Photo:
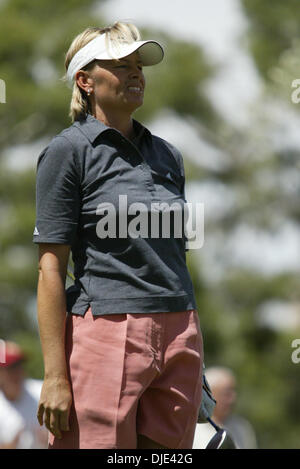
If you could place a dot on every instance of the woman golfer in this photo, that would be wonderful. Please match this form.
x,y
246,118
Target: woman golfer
x,y
122,346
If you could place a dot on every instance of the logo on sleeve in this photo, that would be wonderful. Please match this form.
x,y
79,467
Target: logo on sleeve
x,y
36,231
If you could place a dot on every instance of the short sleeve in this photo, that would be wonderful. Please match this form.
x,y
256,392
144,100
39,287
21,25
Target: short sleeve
x,y
57,194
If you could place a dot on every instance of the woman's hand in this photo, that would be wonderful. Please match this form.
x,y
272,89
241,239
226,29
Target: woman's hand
x,y
54,406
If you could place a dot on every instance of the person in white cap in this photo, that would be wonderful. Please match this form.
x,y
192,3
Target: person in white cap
x,y
123,369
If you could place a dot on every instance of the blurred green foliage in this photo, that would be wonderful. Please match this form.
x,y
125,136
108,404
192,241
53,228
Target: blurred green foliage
x,y
34,37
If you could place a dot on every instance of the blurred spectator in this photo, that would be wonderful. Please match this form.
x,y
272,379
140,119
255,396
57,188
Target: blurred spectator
x,y
223,386
19,428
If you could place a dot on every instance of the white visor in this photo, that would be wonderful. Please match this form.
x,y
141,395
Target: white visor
x,y
151,53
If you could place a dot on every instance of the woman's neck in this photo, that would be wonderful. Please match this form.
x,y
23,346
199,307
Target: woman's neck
x,y
122,123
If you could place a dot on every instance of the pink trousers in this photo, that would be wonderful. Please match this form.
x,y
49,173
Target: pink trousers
x,y
133,374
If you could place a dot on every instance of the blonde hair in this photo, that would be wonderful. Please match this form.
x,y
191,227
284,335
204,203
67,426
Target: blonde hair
x,y
116,34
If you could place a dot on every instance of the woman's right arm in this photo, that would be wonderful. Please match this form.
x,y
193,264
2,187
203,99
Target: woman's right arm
x,y
56,397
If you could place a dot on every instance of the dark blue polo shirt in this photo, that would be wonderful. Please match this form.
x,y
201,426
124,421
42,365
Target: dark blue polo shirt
x,y
82,176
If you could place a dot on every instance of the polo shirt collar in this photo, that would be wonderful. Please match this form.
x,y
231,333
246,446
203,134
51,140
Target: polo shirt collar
x,y
92,128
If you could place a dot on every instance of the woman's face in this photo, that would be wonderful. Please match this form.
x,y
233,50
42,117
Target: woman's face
x,y
118,85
